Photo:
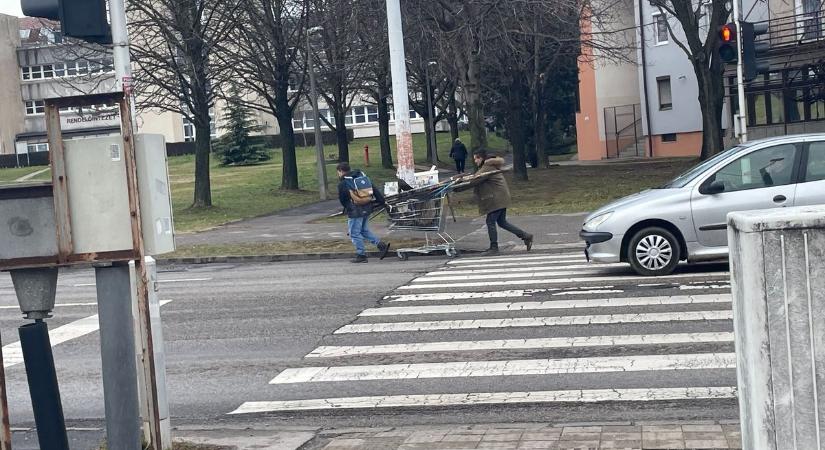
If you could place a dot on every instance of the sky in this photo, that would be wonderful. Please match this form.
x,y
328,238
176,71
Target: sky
x,y
11,7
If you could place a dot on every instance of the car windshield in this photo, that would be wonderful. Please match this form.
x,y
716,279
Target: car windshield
x,y
685,178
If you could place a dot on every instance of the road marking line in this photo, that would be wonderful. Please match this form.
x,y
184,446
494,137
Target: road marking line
x,y
503,276
516,367
517,322
450,271
523,264
184,280
553,281
64,305
515,258
332,351
553,304
13,353
462,295
491,398
592,291
703,287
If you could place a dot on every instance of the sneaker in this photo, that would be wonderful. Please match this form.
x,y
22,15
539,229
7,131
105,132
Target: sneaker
x,y
384,248
359,259
492,251
528,241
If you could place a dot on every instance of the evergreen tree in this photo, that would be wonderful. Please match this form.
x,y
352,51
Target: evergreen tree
x,y
236,146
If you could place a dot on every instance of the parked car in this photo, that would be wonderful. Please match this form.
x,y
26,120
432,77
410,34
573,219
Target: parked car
x,y
686,219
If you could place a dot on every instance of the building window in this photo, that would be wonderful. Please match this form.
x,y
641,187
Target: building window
x,y
35,107
189,134
660,33
372,114
665,97
413,114
35,148
669,137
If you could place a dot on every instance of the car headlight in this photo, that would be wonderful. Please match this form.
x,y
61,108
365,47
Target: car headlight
x,y
594,223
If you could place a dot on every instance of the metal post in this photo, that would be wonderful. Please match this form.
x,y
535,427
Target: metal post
x,y
400,99
431,113
123,73
742,117
319,140
45,393
5,426
117,345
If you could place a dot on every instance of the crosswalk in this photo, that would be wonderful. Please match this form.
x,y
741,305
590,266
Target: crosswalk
x,y
543,328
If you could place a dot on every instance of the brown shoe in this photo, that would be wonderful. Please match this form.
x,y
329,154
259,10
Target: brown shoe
x,y
528,241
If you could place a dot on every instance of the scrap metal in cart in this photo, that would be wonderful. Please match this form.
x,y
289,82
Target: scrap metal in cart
x,y
423,210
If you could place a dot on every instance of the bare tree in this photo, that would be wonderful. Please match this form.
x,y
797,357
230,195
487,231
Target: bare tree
x,y
699,45
266,58
341,62
172,48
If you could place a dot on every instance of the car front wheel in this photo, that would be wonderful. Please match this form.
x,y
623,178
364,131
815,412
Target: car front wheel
x,y
653,251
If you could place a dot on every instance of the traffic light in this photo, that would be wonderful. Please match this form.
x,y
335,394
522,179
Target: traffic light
x,y
81,19
753,51
726,48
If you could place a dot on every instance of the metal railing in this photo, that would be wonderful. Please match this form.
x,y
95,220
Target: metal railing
x,y
623,131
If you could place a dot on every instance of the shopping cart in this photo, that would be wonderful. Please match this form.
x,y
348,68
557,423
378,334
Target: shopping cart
x,y
423,210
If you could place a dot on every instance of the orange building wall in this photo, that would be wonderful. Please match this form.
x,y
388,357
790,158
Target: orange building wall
x,y
687,144
590,145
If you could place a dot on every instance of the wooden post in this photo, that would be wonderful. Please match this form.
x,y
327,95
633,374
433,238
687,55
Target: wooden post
x,y
5,426
60,184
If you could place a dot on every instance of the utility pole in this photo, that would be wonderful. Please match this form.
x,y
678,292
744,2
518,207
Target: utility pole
x,y
319,138
401,103
742,116
152,392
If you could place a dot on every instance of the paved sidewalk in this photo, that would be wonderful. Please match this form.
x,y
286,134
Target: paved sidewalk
x,y
702,435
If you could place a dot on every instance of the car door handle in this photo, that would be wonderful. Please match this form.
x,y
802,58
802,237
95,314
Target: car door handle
x,y
780,199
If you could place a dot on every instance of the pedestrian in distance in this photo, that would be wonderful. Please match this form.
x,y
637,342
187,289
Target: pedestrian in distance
x,y
359,200
493,199
459,153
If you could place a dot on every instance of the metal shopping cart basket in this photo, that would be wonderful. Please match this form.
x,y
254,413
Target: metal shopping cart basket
x,y
423,210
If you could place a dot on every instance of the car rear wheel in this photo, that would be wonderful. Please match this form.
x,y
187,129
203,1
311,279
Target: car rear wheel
x,y
653,251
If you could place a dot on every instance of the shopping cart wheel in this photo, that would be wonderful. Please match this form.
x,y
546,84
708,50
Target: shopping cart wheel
x,y
452,252
403,256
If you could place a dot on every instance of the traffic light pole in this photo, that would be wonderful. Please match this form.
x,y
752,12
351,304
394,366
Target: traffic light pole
x,y
153,394
742,117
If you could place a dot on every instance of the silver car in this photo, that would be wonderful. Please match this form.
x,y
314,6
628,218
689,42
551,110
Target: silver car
x,y
685,220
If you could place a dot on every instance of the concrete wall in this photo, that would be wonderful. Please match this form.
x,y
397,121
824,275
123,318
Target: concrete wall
x,y
11,112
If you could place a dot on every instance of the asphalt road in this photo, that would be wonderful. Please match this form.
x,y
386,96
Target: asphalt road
x,y
238,337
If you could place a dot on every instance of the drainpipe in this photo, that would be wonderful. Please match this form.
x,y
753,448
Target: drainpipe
x,y
644,76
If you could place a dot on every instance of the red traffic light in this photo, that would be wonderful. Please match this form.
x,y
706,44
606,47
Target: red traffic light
x,y
727,32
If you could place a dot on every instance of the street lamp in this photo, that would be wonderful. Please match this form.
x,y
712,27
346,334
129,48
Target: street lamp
x,y
431,111
319,140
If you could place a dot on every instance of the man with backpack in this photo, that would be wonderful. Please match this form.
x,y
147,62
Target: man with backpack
x,y
357,196
459,153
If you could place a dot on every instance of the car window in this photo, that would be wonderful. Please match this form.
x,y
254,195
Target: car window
x,y
772,166
685,178
815,170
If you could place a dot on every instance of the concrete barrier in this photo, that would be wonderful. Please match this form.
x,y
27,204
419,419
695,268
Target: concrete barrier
x,y
778,283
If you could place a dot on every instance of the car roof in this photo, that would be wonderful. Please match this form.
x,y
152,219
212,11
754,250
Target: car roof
x,y
787,138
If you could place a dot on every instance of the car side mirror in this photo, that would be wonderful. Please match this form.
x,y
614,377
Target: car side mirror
x,y
715,187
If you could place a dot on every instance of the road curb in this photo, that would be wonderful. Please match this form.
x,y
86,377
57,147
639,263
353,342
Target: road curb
x,y
228,259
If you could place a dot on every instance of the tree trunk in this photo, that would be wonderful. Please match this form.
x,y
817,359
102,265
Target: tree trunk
x,y
475,107
428,138
452,118
341,135
384,128
203,147
515,128
540,137
289,175
711,87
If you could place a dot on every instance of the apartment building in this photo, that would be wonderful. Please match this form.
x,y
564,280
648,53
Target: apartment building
x,y
648,107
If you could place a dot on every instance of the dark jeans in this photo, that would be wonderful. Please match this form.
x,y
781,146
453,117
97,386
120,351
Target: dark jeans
x,y
500,217
459,165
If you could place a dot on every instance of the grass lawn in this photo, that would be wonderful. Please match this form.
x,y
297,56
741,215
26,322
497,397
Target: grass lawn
x,y
245,192
10,175
569,189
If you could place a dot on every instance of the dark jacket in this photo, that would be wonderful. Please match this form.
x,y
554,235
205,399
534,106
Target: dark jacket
x,y
493,193
458,151
350,209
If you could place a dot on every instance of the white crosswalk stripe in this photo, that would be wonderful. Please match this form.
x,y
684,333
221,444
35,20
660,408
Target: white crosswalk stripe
x,y
489,319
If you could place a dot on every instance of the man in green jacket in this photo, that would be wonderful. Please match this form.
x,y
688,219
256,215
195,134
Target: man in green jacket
x,y
493,199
